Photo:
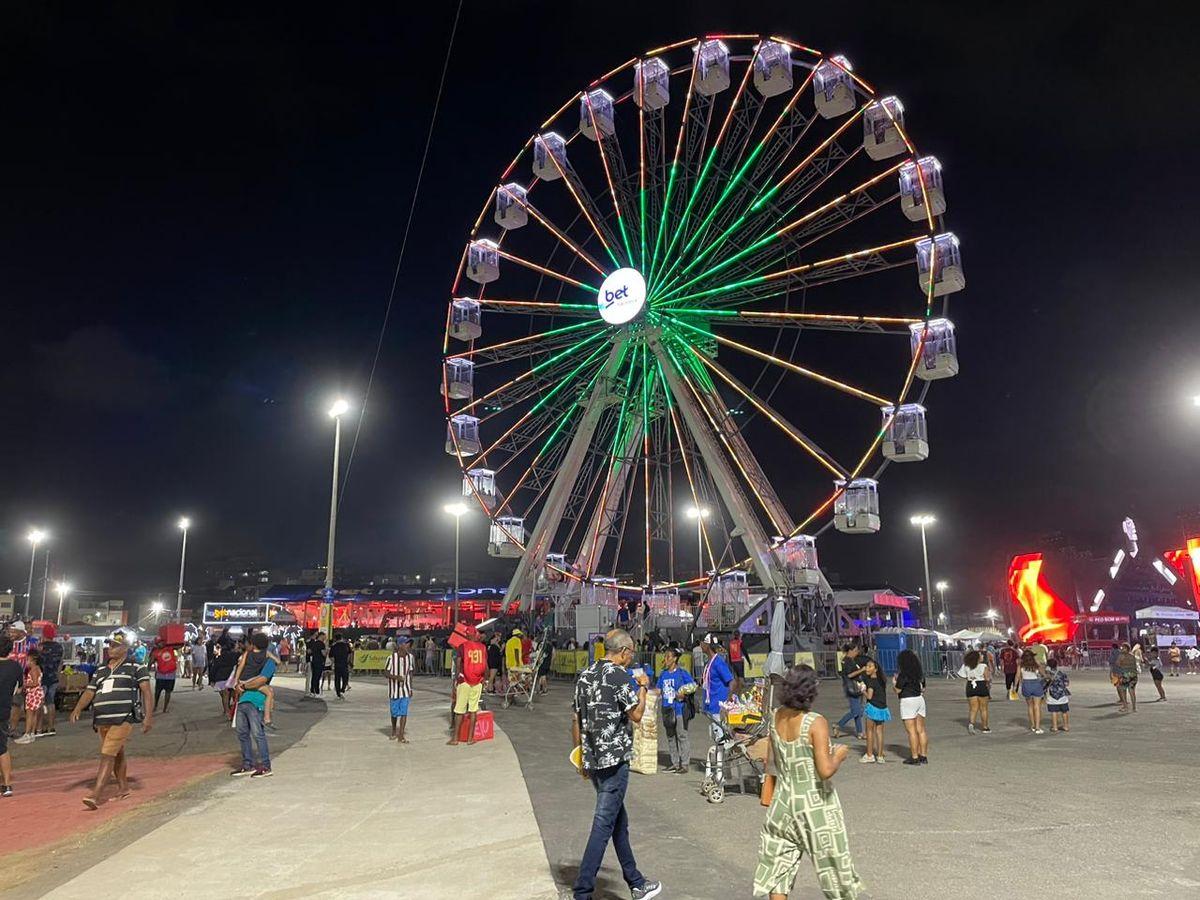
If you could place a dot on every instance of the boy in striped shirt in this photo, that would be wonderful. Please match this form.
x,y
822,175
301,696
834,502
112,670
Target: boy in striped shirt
x,y
399,676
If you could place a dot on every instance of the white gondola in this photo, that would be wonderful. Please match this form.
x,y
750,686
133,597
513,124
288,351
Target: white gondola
x,y
458,378
946,264
549,156
556,568
833,87
462,435
712,68
511,211
465,320
882,122
856,509
506,537
773,68
905,433
600,592
596,115
481,482
651,83
925,173
799,555
939,353
483,261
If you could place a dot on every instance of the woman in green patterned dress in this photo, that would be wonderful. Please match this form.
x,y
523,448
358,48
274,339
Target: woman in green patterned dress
x,y
805,814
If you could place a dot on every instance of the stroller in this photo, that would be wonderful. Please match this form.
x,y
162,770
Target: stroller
x,y
521,683
731,749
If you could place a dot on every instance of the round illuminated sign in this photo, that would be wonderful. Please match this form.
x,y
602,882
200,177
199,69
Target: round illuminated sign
x,y
622,296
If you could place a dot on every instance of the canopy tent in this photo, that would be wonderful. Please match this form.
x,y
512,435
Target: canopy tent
x,y
1168,612
986,634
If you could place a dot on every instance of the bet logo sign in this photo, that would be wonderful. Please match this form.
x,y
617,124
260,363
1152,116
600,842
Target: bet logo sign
x,y
622,296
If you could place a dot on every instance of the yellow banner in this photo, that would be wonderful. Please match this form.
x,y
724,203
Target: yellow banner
x,y
373,660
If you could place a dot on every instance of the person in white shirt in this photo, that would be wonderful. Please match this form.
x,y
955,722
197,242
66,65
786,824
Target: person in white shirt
x,y
978,675
1193,658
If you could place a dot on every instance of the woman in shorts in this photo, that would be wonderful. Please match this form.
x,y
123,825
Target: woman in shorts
x,y
1155,663
910,685
1033,688
979,690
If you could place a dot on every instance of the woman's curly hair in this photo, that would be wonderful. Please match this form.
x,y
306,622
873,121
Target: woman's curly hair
x,y
799,689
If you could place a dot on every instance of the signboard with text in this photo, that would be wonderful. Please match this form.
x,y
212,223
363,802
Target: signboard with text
x,y
239,613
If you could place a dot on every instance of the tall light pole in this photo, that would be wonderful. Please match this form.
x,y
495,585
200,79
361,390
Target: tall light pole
x,y
35,537
941,589
699,513
184,524
922,520
339,409
458,510
62,589
992,616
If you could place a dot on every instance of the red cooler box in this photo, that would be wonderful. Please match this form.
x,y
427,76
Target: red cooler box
x,y
172,635
485,727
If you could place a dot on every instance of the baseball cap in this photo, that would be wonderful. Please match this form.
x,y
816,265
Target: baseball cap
x,y
17,625
119,638
49,631
403,639
518,631
712,640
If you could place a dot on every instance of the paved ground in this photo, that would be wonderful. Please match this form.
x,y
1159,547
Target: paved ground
x,y
348,813
1109,810
170,768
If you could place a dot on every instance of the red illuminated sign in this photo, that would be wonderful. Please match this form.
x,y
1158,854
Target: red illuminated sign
x,y
1186,561
1050,619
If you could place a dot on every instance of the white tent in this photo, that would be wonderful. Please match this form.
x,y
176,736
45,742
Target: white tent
x,y
1168,612
985,634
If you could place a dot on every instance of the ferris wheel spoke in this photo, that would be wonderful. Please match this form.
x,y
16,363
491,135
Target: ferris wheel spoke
x,y
689,146
811,274
535,307
539,368
559,233
897,325
813,226
521,347
566,279
787,364
704,188
764,211
612,160
651,175
767,149
809,445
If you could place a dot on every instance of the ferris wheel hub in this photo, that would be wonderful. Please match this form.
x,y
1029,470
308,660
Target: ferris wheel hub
x,y
622,297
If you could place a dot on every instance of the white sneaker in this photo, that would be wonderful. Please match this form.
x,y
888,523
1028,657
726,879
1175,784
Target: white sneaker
x,y
1038,731
25,739
970,728
867,758
880,760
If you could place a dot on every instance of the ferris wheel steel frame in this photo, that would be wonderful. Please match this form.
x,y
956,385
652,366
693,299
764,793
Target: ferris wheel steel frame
x,y
718,228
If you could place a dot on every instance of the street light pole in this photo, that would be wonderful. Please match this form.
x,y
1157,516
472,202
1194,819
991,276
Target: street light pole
x,y
941,588
699,513
339,408
62,589
458,510
922,521
45,584
35,537
184,524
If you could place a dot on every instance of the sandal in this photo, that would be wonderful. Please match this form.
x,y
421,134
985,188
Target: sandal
x,y
91,803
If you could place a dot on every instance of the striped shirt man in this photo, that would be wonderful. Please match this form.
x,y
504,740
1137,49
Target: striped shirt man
x,y
115,690
399,665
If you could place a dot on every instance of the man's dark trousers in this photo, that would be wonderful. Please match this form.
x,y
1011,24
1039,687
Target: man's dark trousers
x,y
610,822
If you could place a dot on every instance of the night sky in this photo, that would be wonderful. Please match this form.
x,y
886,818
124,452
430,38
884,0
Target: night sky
x,y
202,212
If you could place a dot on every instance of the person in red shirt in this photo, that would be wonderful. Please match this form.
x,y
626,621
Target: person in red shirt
x,y
737,661
472,669
166,666
1010,657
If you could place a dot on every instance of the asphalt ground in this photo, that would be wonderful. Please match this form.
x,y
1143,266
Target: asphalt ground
x,y
1110,809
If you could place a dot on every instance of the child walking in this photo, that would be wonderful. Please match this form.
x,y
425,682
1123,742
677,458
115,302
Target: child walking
x,y
1058,697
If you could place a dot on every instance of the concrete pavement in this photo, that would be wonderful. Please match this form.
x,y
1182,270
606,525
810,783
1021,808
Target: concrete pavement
x,y
349,813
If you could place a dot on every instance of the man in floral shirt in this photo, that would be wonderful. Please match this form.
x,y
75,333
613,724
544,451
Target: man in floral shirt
x,y
606,705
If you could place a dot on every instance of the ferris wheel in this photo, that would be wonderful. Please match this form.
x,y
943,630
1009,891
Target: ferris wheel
x,y
696,317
